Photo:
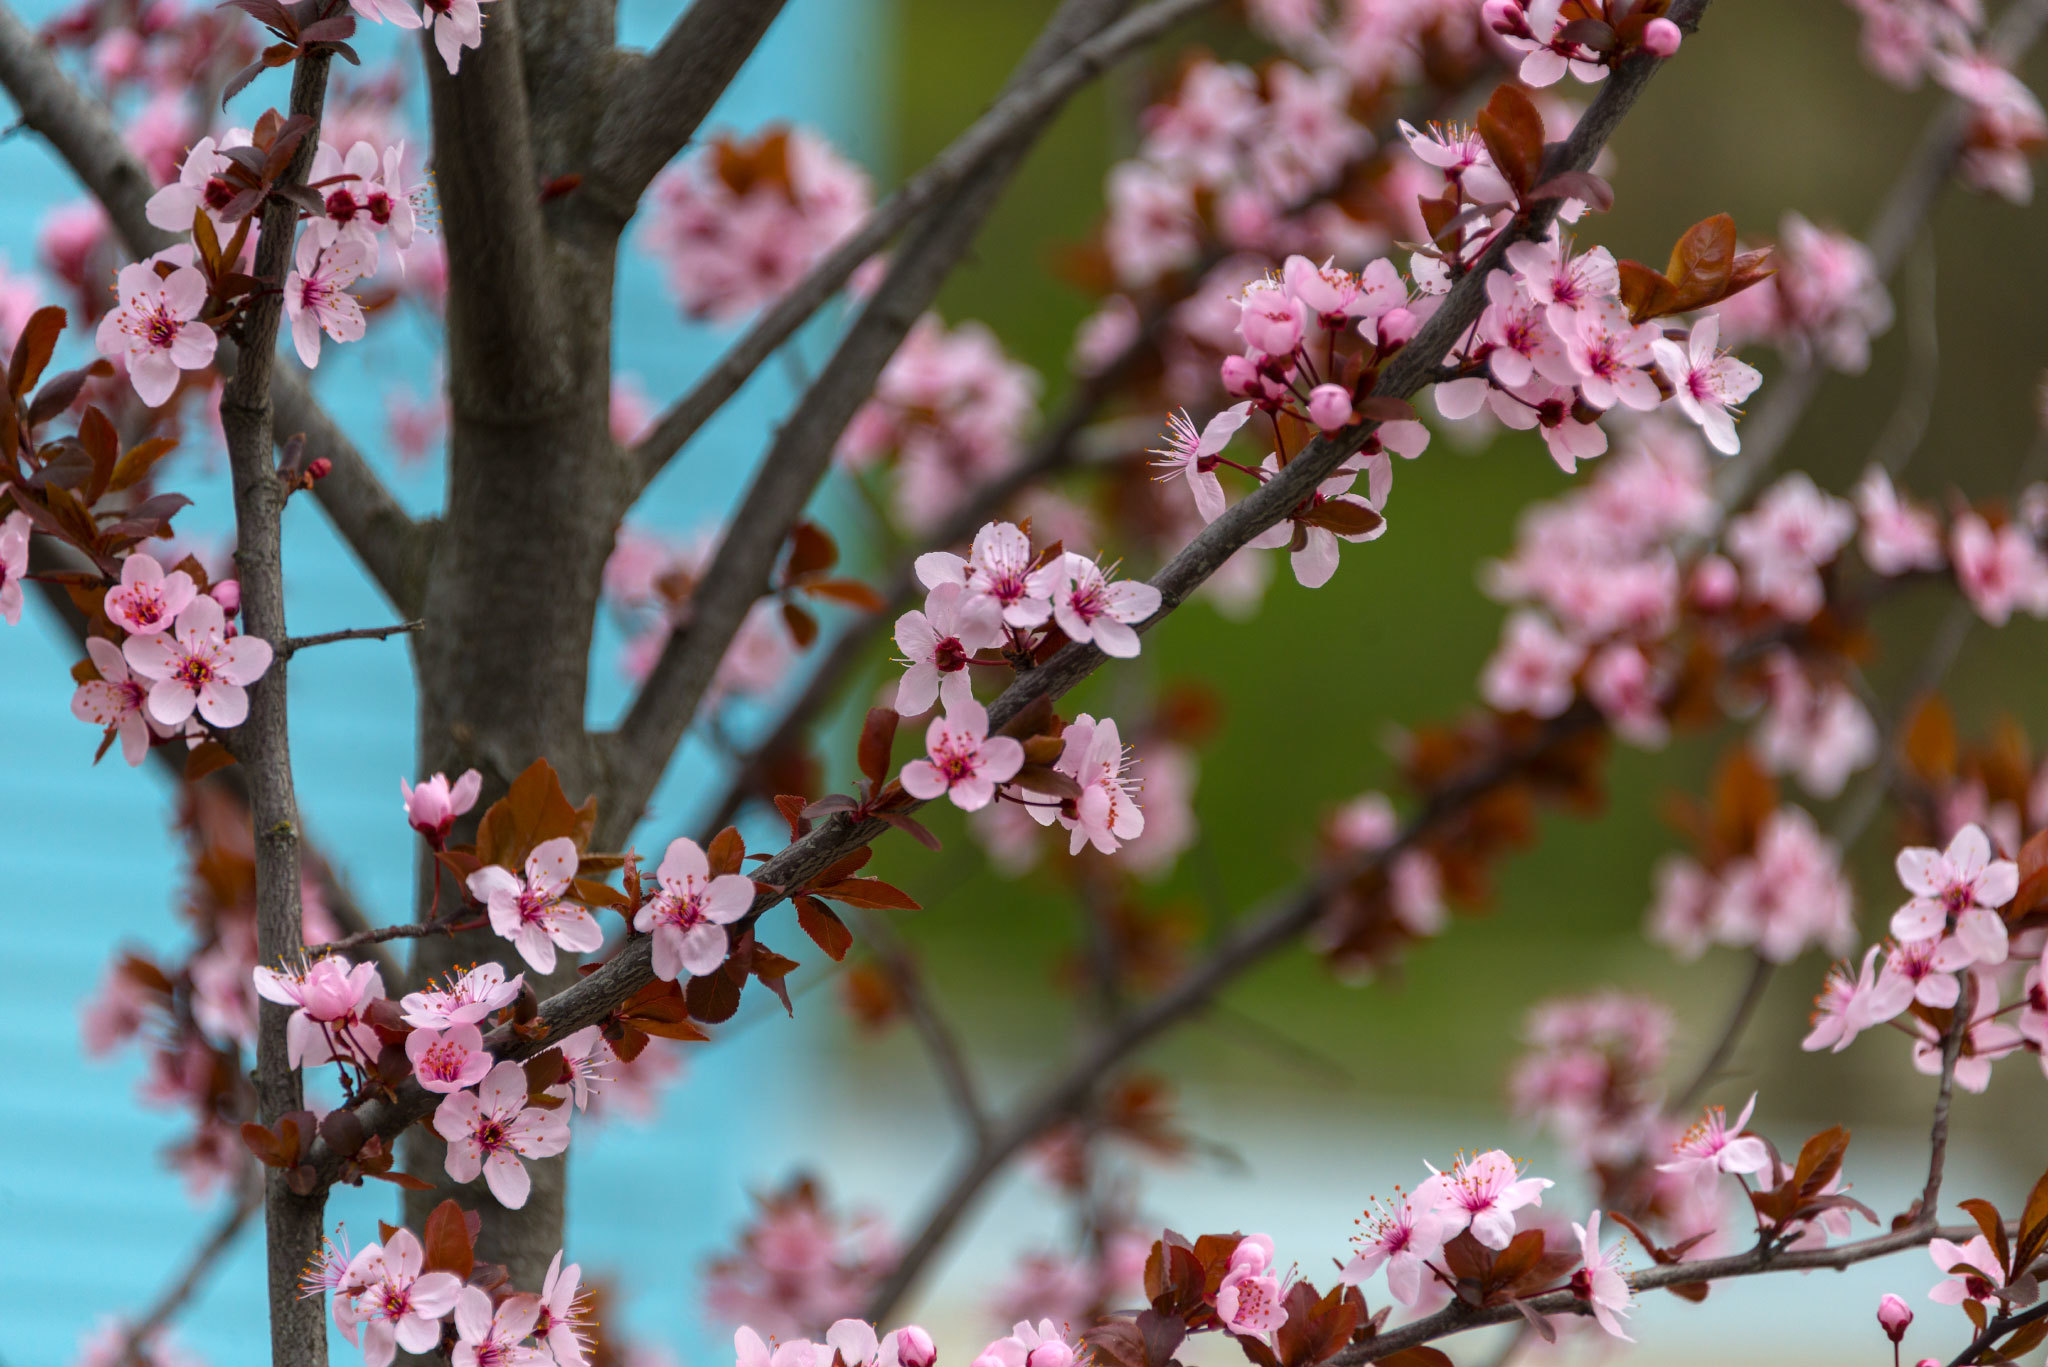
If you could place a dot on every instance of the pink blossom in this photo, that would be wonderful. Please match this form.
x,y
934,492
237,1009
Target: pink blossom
x,y
1313,549
1104,815
1202,131
1712,1146
1999,571
1987,1040
1787,894
1609,352
432,807
1782,543
395,1304
1599,1282
688,917
1682,910
1403,1238
490,1336
199,186
492,1129
1251,1300
448,1060
563,1323
2007,124
1661,38
750,1351
1460,153
1974,1270
1533,669
1090,608
198,666
316,296
939,641
1897,536
398,12
1152,227
966,764
1619,681
13,565
147,600
1550,409
1821,734
1481,1192
116,700
1894,1316
1963,887
531,914
1549,274
1272,321
1335,296
1517,328
328,995
1029,1345
1184,451
585,1054
1329,406
1532,28
1709,383
457,24
998,567
156,332
469,998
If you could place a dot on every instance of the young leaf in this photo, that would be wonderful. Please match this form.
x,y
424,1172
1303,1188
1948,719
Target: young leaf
x,y
1513,133
449,1241
877,736
824,927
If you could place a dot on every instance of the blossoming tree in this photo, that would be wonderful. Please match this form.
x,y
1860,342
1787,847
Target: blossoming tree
x,y
1301,286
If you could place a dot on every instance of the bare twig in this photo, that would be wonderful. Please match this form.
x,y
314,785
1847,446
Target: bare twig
x,y
1937,1134
299,643
378,935
949,1060
1998,1327
1760,971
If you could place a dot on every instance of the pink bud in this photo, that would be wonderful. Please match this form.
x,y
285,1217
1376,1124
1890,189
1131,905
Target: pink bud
x,y
227,593
1893,1315
1502,16
1240,377
1329,406
1661,37
914,1347
1396,326
319,468
1715,583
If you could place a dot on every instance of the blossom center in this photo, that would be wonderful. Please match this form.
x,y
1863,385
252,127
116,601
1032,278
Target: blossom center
x,y
949,655
159,329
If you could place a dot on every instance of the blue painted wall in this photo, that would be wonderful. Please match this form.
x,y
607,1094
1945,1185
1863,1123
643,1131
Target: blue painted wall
x,y
89,1222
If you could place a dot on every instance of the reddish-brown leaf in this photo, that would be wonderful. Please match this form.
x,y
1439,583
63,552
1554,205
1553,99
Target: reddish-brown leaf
x,y
449,1241
534,810
1513,133
877,736
33,348
811,550
869,892
727,852
824,927
137,463
1703,261
803,628
1646,292
849,591
792,805
1930,743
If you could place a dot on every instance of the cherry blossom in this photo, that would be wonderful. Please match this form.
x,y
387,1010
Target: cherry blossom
x,y
1188,452
469,998
855,1342
1987,1040
1999,570
1104,815
1712,1146
1533,669
156,332
316,296
1402,1238
1481,1193
432,807
1787,894
398,12
1782,543
1609,352
939,641
966,764
563,1321
750,1351
327,995
147,600
198,186
457,24
1460,153
198,666
394,1303
1030,1345
488,1336
1897,537
1963,887
448,1060
1819,734
998,567
688,917
1550,274
585,1054
1709,383
116,700
492,1129
531,913
1599,1282
13,565
1974,1271
1894,1316
1842,1009
1250,1301
1089,607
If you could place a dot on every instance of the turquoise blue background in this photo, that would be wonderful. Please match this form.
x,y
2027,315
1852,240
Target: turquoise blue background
x,y
90,1222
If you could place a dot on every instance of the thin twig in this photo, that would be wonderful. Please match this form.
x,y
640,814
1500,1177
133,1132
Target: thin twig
x,y
1999,1326
1937,1134
1739,1016
940,1040
381,934
174,1296
295,644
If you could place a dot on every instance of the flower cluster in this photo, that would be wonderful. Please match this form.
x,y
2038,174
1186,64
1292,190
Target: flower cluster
x,y
1583,39
649,581
741,221
1782,895
799,1265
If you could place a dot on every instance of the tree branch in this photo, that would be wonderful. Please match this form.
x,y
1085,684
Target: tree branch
x,y
387,541
299,643
660,97
1027,104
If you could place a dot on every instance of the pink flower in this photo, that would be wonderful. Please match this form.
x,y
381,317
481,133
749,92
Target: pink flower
x,y
13,565
1782,543
584,1056
1893,1316
1711,1147
1921,971
1251,1301
147,600
2000,570
1986,1041
491,1129
1974,1270
327,994
1819,734
448,1060
1786,895
1533,669
198,186
1088,607
1104,815
432,807
458,24
467,999
1709,383
1193,454
396,1305
1402,1238
532,914
155,332
1620,683
855,1342
1518,329
1460,153
1961,886
397,11
1609,352
1482,1194
562,1324
1682,909
965,763
998,567
1549,274
199,666
316,296
491,1337
1599,1283
1029,1345
688,917
1661,38
1272,321
1897,536
116,700
939,641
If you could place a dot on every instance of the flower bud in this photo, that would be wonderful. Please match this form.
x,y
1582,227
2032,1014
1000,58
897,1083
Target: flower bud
x,y
914,1347
1893,1315
1502,16
1329,406
228,593
1396,326
1240,377
319,468
1661,37
1715,583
